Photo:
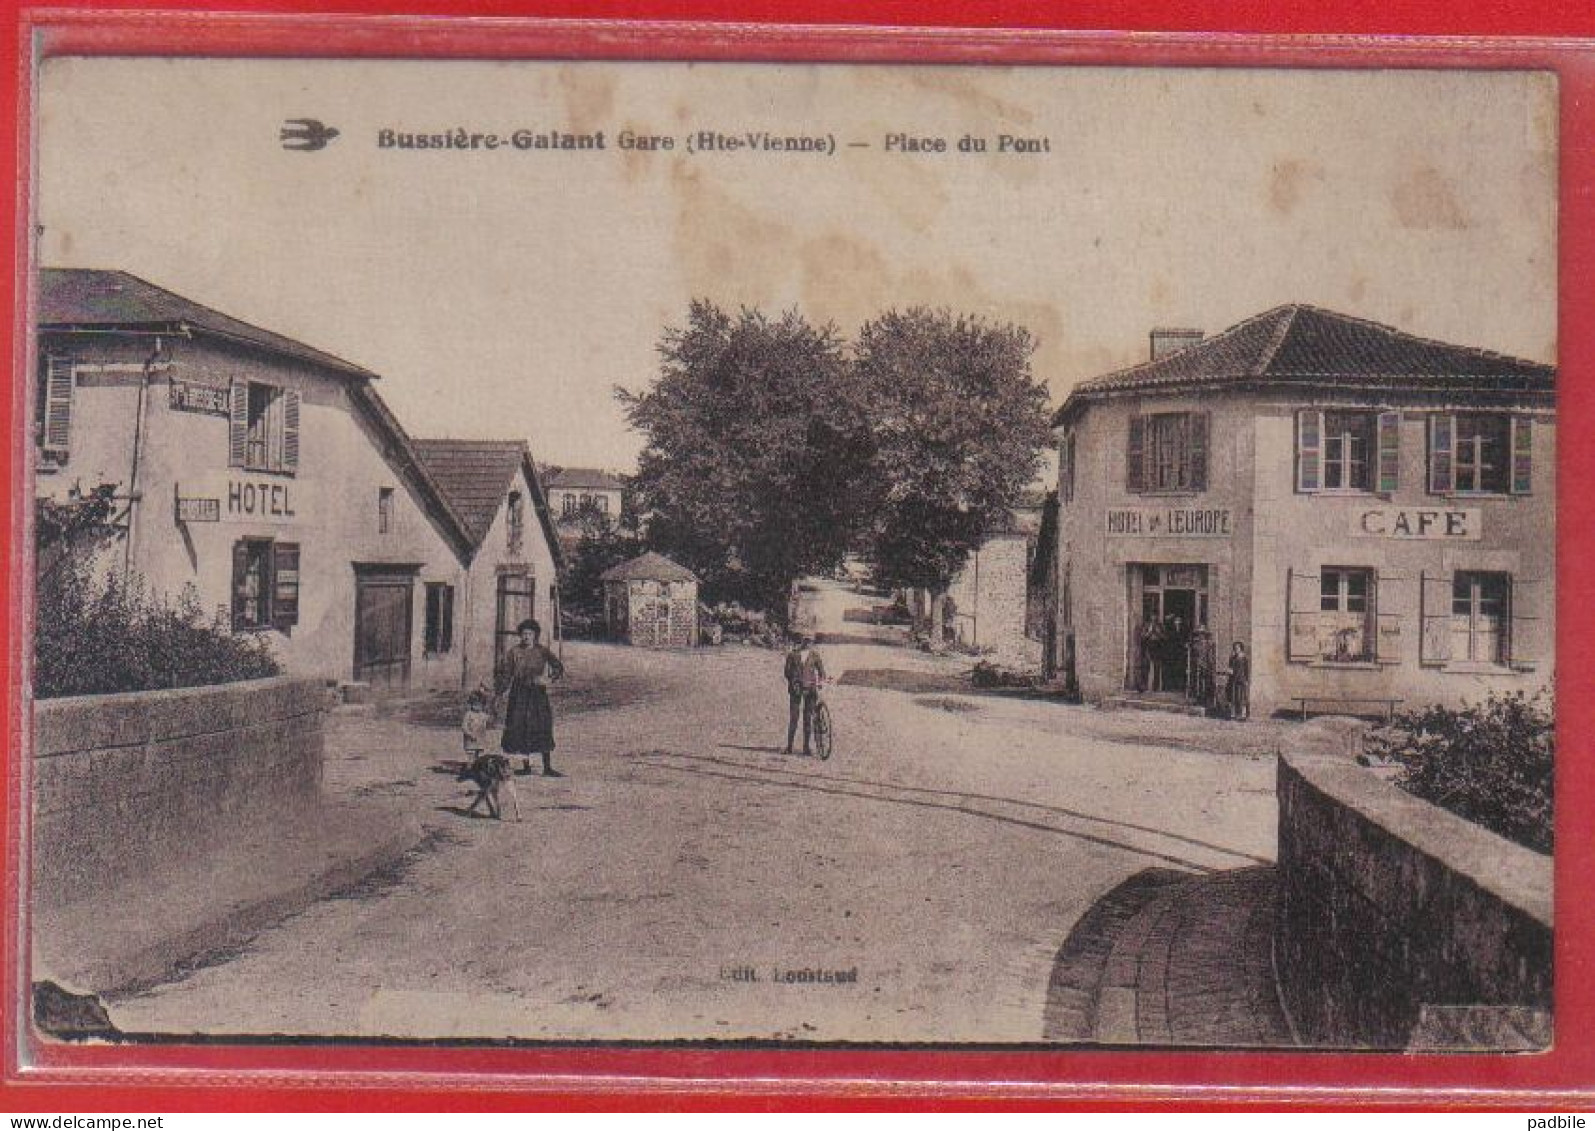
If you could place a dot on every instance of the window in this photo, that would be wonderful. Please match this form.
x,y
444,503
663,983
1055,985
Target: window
x,y
55,407
1334,616
439,632
251,584
265,584
384,510
603,503
1480,454
1168,452
1066,468
1345,621
264,428
1347,450
1348,442
515,521
1479,612
570,505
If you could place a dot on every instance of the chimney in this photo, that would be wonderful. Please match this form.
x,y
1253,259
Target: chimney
x,y
1166,340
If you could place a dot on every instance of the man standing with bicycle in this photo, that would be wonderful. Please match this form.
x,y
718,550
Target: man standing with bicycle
x,y
805,672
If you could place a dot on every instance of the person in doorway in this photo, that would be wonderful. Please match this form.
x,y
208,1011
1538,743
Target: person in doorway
x,y
1200,664
523,680
1150,677
1240,682
805,672
1176,638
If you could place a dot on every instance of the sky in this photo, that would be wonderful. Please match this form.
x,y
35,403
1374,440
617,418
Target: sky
x,y
505,293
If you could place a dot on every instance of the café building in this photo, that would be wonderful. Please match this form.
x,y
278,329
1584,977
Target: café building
x,y
269,476
1370,513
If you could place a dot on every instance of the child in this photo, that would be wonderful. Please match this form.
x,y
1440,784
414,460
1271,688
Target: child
x,y
490,772
473,727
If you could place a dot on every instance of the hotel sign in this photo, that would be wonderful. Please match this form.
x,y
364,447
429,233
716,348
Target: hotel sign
x,y
1169,522
1419,524
189,396
199,510
243,498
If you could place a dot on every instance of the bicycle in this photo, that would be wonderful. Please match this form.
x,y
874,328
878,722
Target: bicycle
x,y
823,731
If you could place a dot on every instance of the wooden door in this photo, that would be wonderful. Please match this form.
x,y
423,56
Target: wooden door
x,y
382,626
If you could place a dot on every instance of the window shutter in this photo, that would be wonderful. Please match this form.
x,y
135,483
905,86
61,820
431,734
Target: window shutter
x,y
1531,630
430,629
284,585
1522,455
1309,450
1197,480
290,431
238,424
1135,471
1304,609
240,564
59,379
1435,612
446,619
1388,643
1442,472
1389,452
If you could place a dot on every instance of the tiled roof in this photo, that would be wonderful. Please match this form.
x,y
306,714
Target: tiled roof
x,y
474,475
589,477
1300,344
72,297
649,567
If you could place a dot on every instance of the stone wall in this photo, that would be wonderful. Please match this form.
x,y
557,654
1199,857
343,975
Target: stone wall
x,y
120,782
662,614
990,599
1388,905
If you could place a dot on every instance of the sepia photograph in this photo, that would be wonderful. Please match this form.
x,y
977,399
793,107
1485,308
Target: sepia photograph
x,y
791,554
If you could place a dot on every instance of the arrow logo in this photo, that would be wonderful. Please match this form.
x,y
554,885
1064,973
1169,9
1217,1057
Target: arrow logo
x,y
306,134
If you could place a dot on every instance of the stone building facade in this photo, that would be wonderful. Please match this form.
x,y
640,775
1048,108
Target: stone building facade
x,y
267,475
988,603
1370,514
515,560
652,602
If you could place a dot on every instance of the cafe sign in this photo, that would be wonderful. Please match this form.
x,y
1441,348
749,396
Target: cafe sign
x,y
1169,522
1419,524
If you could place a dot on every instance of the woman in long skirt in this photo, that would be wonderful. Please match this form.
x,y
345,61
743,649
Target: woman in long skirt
x,y
523,679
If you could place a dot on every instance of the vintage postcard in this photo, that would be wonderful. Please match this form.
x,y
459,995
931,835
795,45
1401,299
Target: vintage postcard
x,y
651,552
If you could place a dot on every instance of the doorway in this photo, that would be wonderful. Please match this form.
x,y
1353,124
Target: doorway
x,y
517,600
1167,603
382,626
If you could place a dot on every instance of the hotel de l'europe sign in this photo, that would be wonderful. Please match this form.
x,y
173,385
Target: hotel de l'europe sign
x,y
1406,524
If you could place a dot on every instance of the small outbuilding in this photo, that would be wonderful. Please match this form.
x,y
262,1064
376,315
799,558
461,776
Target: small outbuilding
x,y
652,602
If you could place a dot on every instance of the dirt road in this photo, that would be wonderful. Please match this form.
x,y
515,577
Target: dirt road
x,y
687,880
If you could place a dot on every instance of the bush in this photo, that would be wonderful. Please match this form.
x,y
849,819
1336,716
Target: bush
x,y
741,625
988,675
94,637
1491,763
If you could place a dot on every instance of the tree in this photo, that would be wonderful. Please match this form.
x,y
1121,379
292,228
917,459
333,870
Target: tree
x,y
73,529
758,445
959,425
601,545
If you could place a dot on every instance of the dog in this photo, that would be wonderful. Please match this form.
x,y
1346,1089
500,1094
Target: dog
x,y
490,772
